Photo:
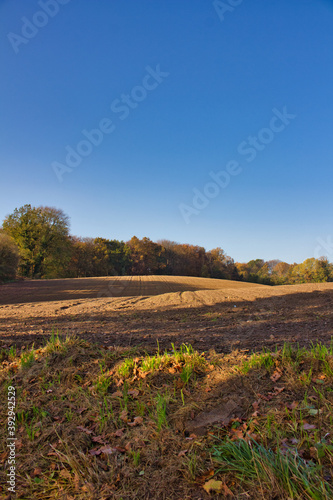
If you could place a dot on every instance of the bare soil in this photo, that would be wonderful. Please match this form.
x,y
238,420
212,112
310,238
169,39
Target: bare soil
x,y
143,310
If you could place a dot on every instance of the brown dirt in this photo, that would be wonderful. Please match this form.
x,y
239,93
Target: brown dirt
x,y
142,310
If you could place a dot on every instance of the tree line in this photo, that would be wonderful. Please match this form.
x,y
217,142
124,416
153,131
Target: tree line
x,y
35,243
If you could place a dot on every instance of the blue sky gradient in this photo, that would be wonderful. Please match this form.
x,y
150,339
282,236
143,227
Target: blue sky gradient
x,y
225,77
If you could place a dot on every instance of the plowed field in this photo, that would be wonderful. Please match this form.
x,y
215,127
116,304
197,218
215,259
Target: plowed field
x,y
142,310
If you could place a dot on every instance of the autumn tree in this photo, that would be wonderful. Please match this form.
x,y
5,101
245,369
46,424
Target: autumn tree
x,y
280,273
82,261
311,271
147,257
220,265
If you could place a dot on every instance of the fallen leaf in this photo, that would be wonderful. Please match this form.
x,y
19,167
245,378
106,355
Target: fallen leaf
x,y
276,375
98,439
182,453
134,393
213,485
66,474
292,406
76,482
119,433
202,479
265,398
123,416
95,451
255,406
136,421
237,434
107,450
226,490
81,410
117,394
37,471
308,427
83,429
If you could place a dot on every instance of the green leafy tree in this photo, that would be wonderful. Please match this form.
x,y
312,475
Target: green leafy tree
x,y
41,234
9,258
112,257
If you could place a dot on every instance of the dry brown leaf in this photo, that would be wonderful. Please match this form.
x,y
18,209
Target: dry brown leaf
x,y
136,421
107,450
308,427
95,451
19,444
123,416
98,439
255,406
119,432
226,490
83,429
292,406
76,482
182,453
81,410
37,471
134,393
117,394
202,479
65,474
264,398
276,375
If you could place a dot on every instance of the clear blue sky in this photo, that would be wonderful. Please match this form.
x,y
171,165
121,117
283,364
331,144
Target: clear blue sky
x,y
226,73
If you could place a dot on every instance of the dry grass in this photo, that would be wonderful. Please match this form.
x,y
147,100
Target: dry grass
x,y
100,423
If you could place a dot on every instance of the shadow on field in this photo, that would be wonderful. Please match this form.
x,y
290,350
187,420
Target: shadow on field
x,y
109,286
295,318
